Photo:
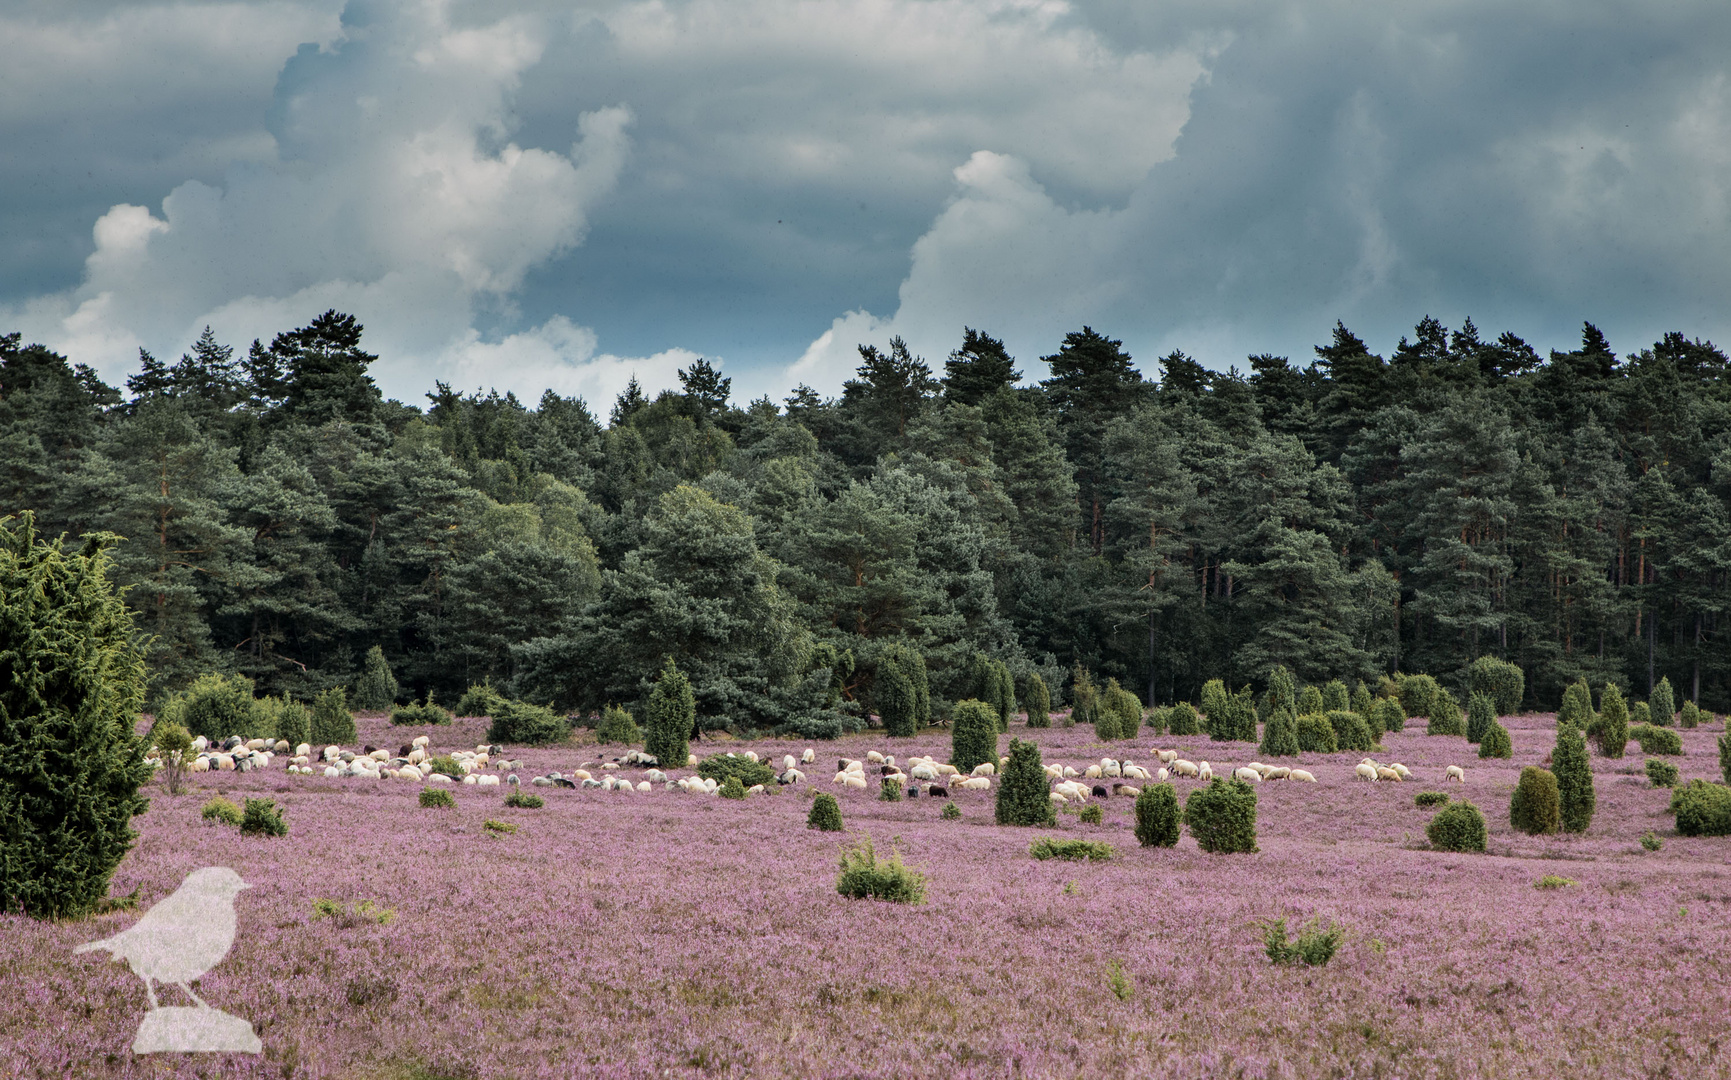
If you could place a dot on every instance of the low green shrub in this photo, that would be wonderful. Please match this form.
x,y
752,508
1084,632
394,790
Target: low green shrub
x,y
498,828
1702,809
1280,735
445,765
427,712
720,767
332,721
522,800
1496,742
262,818
1431,798
522,724
1092,814
1657,740
1181,719
1416,693
433,798
825,813
864,877
221,811
1316,734
1389,715
1552,882
1310,701
1315,946
1222,816
617,726
480,699
1048,847
1335,697
1457,827
1157,816
1640,713
1536,808
1650,841
950,812
217,706
1689,715
1350,730
1445,715
731,788
294,723
1662,773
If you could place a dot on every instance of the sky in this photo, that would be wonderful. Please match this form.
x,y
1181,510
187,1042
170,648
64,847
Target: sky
x,y
526,195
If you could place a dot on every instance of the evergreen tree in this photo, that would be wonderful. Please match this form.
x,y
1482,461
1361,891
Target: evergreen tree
x,y
1157,816
1282,694
1039,701
1612,731
1310,701
1574,775
617,726
1106,720
332,722
1335,697
893,694
672,717
1688,716
1481,714
973,735
1217,709
1023,796
1181,720
1084,698
1536,807
1279,736
979,369
72,682
1661,703
825,815
1362,703
1445,715
1496,742
376,689
1577,706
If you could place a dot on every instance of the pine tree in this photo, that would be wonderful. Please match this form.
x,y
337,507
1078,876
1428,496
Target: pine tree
x,y
672,715
973,735
1481,714
376,689
1662,703
1574,774
1023,796
71,685
1039,701
1279,735
1612,730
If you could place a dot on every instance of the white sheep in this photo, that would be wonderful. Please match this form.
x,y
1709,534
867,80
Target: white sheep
x,y
1383,772
1163,774
487,781
755,789
947,770
874,757
304,750
923,771
1180,767
1247,774
1277,772
643,785
1137,772
808,757
1405,773
787,762
1365,772
1128,789
972,783
1166,757
1070,772
691,761
1205,772
421,740
432,778
1108,767
655,775
752,755
1454,772
1058,799
855,780
985,768
332,772
1300,774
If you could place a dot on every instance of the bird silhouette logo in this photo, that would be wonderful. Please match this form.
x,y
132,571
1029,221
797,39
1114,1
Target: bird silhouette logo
x,y
179,939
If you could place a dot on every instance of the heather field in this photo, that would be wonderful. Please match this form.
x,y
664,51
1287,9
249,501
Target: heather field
x,y
665,934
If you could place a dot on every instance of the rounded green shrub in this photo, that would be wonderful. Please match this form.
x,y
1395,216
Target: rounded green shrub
x,y
1038,701
1416,693
1574,774
1662,773
1702,809
1280,736
1499,680
445,765
1217,707
1657,740
1084,697
1105,718
825,813
221,811
375,688
1335,697
1052,847
521,724
1316,735
1310,701
1662,703
731,788
480,699
1181,719
1481,714
1535,807
864,877
1457,827
1243,716
1001,694
1157,816
522,800
1125,706
1023,795
1282,691
617,726
1222,816
217,706
671,716
950,812
1650,841
332,721
1431,798
1640,714
1389,714
1496,742
1725,755
1689,715
1576,707
973,735
1445,714
1612,730
427,712
437,798
1092,814
719,767
1350,730
262,818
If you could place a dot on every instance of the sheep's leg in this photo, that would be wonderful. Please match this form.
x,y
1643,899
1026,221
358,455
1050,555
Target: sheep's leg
x,y
193,996
150,992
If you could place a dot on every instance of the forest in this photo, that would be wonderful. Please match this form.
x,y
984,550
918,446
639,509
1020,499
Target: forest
x,y
1345,517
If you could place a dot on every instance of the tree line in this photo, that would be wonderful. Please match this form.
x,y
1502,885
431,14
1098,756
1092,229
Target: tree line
x,y
1344,518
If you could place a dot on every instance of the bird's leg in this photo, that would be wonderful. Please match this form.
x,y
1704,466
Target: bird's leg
x,y
192,995
150,991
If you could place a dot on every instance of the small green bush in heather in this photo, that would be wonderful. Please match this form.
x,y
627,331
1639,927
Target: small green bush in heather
x,y
220,810
1612,730
1702,809
1244,715
1222,816
1662,773
889,790
1157,816
262,818
1416,693
433,798
445,765
332,721
1310,701
1125,706
427,712
617,726
1431,798
1335,697
1315,946
720,767
216,706
1181,719
1084,698
1048,847
1457,827
1092,814
1023,795
1574,774
1154,720
1481,714
522,800
1640,714
498,828
825,813
1657,740
950,812
1689,715
1038,701
1389,714
1280,735
1650,841
1535,808
1350,730
973,735
1662,703
480,699
1725,755
1577,706
1499,680
1553,882
1496,742
1445,715
523,724
1316,735
864,877
731,788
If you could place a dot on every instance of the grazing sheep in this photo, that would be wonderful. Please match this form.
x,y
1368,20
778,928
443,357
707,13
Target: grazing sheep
x,y
1277,772
487,781
1205,772
808,757
541,781
1126,789
1454,772
1166,757
854,780
1365,772
642,786
973,783
1300,774
874,757
655,776
1257,765
924,772
1164,774
938,791
304,750
787,762
1058,799
1247,774
1137,772
1383,772
1108,767
890,760
691,761
791,776
1405,773
1071,789
1070,772
985,768
755,789
752,755
1180,767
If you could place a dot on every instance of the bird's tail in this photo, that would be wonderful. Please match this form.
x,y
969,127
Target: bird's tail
x,y
104,944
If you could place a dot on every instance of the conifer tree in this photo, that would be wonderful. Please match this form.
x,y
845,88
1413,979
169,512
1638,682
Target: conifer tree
x,y
1157,816
1084,697
1279,735
617,726
1310,701
1335,698
973,735
72,682
1612,731
671,717
1445,714
893,694
1689,715
1481,714
1574,773
1577,706
1282,692
376,688
1001,691
332,722
1662,703
1023,796
1105,714
1536,807
1362,702
1038,701
1496,742
1244,715
1181,720
1217,707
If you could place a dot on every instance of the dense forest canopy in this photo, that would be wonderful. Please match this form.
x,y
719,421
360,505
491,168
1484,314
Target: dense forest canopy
x,y
1350,516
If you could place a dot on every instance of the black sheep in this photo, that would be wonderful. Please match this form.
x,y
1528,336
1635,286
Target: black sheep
x,y
1099,792
938,791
